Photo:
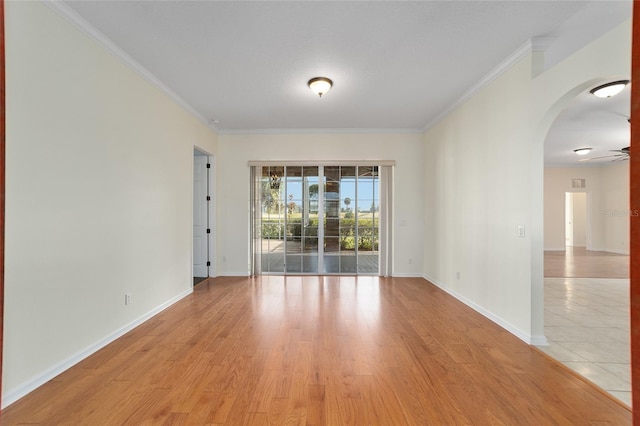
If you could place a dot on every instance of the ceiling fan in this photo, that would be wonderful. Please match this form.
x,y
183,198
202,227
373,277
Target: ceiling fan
x,y
621,155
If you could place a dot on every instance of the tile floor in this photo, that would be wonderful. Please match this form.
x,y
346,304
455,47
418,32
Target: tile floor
x,y
587,326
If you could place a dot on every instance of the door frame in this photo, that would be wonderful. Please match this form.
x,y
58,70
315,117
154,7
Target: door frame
x,y
211,209
2,180
570,196
634,192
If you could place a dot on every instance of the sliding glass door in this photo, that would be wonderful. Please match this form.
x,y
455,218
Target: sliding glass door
x,y
316,219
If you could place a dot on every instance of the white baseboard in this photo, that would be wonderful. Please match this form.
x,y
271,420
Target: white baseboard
x,y
233,274
406,275
526,337
539,341
13,395
608,250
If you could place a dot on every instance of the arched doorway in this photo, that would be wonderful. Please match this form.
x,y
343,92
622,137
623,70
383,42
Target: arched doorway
x,y
586,284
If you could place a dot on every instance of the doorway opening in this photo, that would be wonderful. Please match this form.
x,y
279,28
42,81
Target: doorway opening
x,y
586,281
202,211
575,219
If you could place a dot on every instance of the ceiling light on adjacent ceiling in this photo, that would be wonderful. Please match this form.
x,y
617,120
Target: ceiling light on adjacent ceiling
x,y
610,89
582,151
320,85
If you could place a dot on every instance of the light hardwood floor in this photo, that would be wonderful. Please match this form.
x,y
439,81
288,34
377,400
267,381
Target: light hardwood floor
x,y
578,262
317,351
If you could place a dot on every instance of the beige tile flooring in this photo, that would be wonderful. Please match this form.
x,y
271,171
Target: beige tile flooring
x,y
587,326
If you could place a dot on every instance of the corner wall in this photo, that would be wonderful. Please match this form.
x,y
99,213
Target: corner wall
x,y
476,196
616,213
99,197
484,177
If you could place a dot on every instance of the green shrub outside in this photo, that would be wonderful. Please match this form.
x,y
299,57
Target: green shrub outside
x,y
367,233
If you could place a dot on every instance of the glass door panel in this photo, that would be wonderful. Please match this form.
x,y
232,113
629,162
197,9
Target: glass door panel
x,y
331,220
347,231
295,213
310,189
368,221
273,219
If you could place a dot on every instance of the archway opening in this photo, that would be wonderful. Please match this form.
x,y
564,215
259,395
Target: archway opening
x,y
586,281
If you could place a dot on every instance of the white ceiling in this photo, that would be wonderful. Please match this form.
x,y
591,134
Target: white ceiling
x,y
395,65
590,122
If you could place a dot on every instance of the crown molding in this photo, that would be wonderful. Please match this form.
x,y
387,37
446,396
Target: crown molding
x,y
525,49
71,16
349,131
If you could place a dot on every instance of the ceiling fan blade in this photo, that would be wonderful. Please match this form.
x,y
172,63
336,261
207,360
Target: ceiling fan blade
x,y
598,158
623,158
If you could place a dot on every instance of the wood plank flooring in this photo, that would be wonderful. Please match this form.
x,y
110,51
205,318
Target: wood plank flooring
x,y
317,351
577,262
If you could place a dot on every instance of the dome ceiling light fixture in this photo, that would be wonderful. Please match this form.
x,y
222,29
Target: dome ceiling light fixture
x,y
320,85
610,89
582,151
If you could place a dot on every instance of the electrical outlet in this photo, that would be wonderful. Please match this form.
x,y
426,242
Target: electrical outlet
x,y
127,299
457,275
410,261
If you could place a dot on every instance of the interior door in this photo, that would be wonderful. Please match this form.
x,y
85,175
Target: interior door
x,y
200,268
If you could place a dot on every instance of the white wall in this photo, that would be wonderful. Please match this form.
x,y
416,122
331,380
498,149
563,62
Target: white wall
x,y
233,187
98,192
484,177
476,196
616,214
607,209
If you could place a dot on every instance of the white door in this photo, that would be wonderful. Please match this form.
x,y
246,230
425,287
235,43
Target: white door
x,y
200,215
580,219
568,219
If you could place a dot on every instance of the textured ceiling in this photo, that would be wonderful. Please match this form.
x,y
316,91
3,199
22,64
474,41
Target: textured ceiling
x,y
395,65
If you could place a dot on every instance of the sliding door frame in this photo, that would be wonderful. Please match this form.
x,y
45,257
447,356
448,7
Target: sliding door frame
x,y
385,228
2,178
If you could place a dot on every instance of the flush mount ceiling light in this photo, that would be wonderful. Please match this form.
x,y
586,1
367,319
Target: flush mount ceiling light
x,y
610,89
582,151
320,85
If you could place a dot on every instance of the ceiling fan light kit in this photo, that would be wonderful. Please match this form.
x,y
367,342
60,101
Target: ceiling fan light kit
x,y
621,154
320,85
609,89
582,151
